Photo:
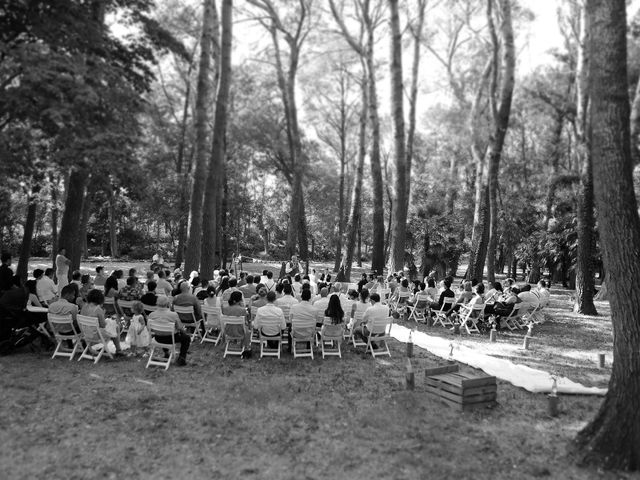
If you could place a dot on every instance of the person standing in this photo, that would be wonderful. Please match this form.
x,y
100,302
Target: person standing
x,y
6,273
62,268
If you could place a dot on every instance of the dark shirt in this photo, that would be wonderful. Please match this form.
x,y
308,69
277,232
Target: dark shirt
x,y
6,278
149,298
445,293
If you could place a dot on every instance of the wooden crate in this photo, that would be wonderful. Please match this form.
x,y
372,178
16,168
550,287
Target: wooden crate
x,y
463,390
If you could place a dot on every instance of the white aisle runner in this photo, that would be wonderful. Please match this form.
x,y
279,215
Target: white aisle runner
x,y
530,379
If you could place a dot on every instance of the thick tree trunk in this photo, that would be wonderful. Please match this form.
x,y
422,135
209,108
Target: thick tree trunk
x,y
209,218
612,439
400,205
501,124
54,218
69,238
27,237
342,209
203,96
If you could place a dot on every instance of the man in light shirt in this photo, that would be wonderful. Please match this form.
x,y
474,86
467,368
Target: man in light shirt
x,y
45,287
322,302
304,310
287,298
270,319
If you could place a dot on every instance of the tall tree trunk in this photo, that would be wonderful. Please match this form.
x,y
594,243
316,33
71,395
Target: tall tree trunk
x,y
68,237
612,439
356,199
54,218
84,222
209,220
113,226
400,205
203,96
585,269
27,237
343,163
635,126
501,121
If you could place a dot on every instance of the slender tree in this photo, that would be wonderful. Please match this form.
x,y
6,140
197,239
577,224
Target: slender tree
x,y
210,221
612,438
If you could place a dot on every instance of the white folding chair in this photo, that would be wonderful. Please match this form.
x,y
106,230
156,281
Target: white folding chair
x,y
212,324
331,337
273,334
255,335
470,315
400,304
384,293
99,287
512,321
149,308
417,311
111,307
64,331
161,328
92,336
442,315
234,342
187,316
303,331
380,332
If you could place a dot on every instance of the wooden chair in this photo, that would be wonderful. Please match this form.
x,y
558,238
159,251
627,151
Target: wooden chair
x,y
380,332
418,310
165,329
234,342
357,322
470,315
92,336
331,337
442,315
149,308
303,331
187,316
212,324
64,330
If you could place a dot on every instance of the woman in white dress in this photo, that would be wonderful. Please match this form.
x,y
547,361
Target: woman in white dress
x,y
62,268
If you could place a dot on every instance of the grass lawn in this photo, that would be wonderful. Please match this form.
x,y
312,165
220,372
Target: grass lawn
x,y
303,419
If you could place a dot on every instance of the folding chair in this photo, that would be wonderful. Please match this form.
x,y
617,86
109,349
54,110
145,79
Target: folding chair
x,y
352,286
211,325
303,331
512,321
111,307
64,330
161,328
99,287
470,315
149,308
92,336
234,342
188,317
417,311
331,337
255,335
384,293
126,309
400,304
380,332
442,315
357,323
273,334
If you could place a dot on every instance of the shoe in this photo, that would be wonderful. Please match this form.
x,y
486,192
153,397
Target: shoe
x,y
181,361
247,354
119,353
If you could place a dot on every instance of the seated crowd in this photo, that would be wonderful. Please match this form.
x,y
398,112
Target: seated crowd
x,y
262,300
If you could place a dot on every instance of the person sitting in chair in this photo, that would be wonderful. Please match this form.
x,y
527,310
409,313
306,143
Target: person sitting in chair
x,y
270,320
180,335
376,311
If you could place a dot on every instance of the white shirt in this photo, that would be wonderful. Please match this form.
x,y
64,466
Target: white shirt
x,y
46,289
286,300
270,319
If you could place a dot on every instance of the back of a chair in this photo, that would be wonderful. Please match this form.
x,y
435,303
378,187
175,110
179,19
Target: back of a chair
x,y
352,286
90,329
403,297
476,310
62,323
270,326
149,308
162,328
357,318
447,304
332,332
286,310
212,315
99,287
126,307
381,326
226,320
110,307
384,294
303,327
422,301
186,313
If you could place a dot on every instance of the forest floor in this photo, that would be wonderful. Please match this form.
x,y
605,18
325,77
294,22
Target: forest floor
x,y
304,419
